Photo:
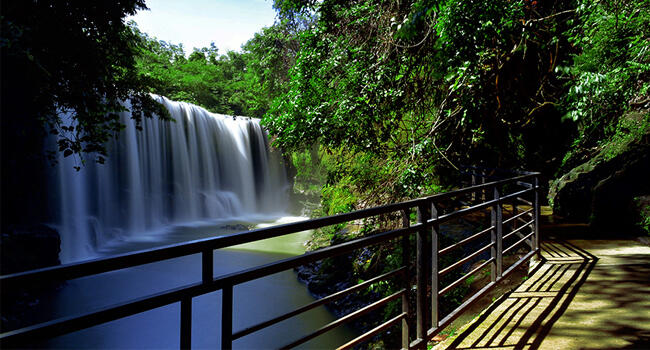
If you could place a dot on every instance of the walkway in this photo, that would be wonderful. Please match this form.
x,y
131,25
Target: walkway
x,y
587,294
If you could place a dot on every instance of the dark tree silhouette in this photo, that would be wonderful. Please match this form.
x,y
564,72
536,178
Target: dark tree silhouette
x,y
57,56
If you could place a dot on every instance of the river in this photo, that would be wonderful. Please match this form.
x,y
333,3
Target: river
x,y
254,301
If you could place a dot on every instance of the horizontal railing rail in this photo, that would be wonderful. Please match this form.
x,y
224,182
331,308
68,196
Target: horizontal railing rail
x,y
424,284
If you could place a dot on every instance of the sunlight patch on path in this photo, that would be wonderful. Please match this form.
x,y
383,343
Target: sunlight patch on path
x,y
588,294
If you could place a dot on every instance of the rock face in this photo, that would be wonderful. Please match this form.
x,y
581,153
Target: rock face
x,y
601,191
28,247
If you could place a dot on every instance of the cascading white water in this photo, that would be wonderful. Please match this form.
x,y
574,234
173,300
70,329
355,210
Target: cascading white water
x,y
203,166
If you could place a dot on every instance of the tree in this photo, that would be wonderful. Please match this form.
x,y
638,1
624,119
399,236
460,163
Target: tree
x,y
67,68
74,58
269,56
609,77
216,82
401,93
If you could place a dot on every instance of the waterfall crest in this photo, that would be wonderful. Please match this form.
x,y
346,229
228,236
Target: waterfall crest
x,y
203,166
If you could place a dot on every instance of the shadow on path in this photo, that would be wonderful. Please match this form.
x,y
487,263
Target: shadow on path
x,y
612,310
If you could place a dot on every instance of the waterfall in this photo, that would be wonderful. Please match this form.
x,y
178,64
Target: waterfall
x,y
203,166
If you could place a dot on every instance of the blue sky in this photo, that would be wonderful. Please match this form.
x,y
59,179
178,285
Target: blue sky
x,y
196,23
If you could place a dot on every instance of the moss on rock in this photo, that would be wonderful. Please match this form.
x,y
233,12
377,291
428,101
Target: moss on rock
x,y
601,190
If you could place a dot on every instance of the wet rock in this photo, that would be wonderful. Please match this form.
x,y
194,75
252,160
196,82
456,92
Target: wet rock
x,y
329,276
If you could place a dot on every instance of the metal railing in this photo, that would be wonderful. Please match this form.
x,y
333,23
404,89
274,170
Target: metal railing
x,y
421,238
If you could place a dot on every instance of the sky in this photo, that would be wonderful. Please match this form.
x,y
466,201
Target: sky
x,y
196,23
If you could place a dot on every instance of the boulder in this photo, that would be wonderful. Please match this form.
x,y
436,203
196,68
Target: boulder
x,y
601,191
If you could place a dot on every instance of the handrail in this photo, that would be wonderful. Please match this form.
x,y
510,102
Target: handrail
x,y
529,211
464,241
319,302
345,319
126,260
462,261
425,231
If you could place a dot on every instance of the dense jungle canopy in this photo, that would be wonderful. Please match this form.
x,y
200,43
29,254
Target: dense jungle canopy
x,y
381,100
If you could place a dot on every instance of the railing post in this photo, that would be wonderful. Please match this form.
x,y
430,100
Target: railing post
x,y
207,273
421,275
473,198
406,261
483,191
514,213
226,317
434,267
536,213
496,237
186,323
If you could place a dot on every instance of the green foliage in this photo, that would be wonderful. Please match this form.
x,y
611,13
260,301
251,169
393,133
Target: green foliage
x,y
215,82
310,172
400,94
334,91
269,56
338,199
369,74
610,74
630,128
292,9
232,83
644,211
